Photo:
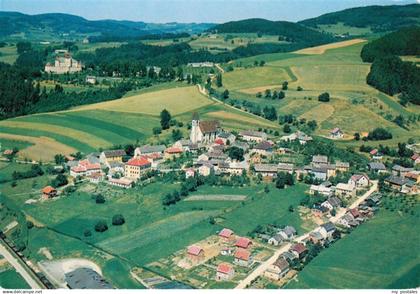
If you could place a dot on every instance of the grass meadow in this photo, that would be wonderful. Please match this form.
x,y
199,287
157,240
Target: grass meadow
x,y
382,253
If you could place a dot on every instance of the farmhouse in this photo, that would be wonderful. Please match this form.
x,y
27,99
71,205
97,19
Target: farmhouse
x,y
336,133
237,168
243,242
136,167
300,136
173,152
49,192
195,254
327,230
398,170
316,237
224,272
319,159
203,131
286,167
64,64
331,203
320,189
278,269
396,183
253,136
243,258
276,240
288,233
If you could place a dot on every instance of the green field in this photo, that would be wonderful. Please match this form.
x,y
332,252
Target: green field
x,y
354,107
382,253
10,279
8,54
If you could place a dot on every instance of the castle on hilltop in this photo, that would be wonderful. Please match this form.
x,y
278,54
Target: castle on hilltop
x,y
64,64
203,131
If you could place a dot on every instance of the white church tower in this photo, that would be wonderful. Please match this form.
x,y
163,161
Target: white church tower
x,y
195,128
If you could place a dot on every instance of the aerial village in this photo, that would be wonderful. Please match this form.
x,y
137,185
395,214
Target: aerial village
x,y
273,253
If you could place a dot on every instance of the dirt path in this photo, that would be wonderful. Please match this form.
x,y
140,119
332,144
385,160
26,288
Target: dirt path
x,y
321,49
264,266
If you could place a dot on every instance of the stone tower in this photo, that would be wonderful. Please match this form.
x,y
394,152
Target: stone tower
x,y
194,128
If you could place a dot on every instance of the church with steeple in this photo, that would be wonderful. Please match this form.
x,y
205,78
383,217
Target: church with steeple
x,y
203,131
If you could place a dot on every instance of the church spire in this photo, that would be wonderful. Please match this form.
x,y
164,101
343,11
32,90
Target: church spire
x,y
195,116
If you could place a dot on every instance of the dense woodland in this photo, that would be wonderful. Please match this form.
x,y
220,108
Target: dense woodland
x,y
388,72
378,18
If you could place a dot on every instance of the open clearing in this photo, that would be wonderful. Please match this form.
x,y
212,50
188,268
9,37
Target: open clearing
x,y
321,49
176,100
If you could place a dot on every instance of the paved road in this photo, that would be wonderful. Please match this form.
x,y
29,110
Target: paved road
x,y
19,268
264,266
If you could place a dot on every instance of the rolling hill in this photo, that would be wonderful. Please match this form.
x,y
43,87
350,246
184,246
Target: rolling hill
x,y
56,24
372,18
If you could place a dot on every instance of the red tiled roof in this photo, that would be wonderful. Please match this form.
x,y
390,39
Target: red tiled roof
x,y
172,150
84,162
92,166
194,250
219,141
243,242
356,178
415,156
373,152
242,254
224,268
48,190
299,248
138,161
78,169
226,233
8,152
336,130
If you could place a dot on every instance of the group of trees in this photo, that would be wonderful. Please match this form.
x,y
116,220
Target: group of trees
x,y
324,97
284,179
35,171
379,134
388,72
101,226
271,95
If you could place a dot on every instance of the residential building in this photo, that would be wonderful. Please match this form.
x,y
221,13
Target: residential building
x,y
266,170
377,167
225,272
243,242
299,250
173,152
149,150
288,232
278,269
195,254
398,170
206,169
227,138
396,182
359,181
226,234
327,230
345,190
331,203
336,133
243,257
49,192
263,148
286,167
121,182
189,173
319,159
276,240
320,189
342,166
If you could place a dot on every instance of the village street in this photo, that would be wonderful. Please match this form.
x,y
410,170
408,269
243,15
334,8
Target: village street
x,y
265,265
26,275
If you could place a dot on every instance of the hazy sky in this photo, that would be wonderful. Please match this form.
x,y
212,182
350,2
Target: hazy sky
x,y
190,10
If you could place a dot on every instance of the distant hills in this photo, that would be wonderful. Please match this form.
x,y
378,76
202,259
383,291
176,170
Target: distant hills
x,y
377,18
289,31
51,24
310,31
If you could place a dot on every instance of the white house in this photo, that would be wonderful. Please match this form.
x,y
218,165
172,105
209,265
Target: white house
x,y
253,136
359,181
336,133
345,190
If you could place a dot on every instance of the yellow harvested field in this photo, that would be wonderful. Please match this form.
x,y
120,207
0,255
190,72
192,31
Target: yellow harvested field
x,y
319,113
238,118
43,149
321,49
90,139
176,100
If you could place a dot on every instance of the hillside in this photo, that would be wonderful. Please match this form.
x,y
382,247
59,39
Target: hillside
x,y
55,24
373,18
288,31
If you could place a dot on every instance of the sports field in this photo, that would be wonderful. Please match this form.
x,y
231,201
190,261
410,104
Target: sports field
x,y
382,253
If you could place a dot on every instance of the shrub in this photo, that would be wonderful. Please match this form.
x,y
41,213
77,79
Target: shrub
x,y
101,226
29,224
99,199
118,220
324,97
87,233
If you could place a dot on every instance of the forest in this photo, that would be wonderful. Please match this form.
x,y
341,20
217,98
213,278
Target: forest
x,y
388,72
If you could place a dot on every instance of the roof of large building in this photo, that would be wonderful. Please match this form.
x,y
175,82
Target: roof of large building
x,y
253,134
320,158
377,166
395,180
152,148
48,190
209,126
138,161
264,145
86,278
265,167
114,153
